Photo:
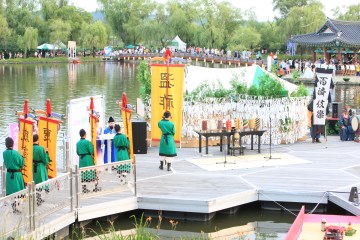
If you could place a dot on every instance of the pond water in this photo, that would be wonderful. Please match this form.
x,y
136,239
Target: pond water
x,y
62,82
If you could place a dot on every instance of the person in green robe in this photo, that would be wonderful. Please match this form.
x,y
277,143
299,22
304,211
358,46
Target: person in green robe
x,y
85,151
121,143
13,161
40,160
167,149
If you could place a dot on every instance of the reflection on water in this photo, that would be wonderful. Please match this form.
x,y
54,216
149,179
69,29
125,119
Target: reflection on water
x,y
60,83
343,93
249,222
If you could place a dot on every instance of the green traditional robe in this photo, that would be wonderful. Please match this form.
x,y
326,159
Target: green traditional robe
x,y
85,151
40,160
121,143
167,143
13,162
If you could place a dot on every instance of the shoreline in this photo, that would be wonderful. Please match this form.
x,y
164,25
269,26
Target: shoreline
x,y
47,60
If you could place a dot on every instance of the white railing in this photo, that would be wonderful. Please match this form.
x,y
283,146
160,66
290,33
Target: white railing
x,y
52,196
26,211
2,181
105,179
16,214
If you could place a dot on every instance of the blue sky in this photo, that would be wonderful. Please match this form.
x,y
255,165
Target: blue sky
x,y
263,8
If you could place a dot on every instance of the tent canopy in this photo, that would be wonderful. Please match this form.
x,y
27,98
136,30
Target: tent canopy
x,y
177,44
59,45
248,75
46,46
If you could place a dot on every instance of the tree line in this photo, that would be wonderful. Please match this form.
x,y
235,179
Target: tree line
x,y
24,24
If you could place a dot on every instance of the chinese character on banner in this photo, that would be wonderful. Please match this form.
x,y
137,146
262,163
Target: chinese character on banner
x,y
323,83
167,89
25,142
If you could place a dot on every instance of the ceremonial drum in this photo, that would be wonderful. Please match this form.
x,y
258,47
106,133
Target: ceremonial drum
x,y
355,126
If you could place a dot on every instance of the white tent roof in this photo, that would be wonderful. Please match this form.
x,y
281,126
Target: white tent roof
x,y
177,39
47,46
249,75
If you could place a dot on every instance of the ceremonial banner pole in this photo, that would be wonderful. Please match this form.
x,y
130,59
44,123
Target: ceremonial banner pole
x,y
126,116
167,89
322,97
93,120
48,132
26,143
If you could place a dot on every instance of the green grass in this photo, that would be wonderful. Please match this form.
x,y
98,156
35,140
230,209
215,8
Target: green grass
x,y
149,229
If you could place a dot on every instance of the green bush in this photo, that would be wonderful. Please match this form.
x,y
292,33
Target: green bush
x,y
269,87
143,75
302,91
253,91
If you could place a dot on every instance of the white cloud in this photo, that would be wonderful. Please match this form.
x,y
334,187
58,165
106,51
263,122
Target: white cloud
x,y
88,5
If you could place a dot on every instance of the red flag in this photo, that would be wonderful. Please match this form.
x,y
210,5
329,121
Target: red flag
x,y
26,108
48,107
124,100
91,103
167,54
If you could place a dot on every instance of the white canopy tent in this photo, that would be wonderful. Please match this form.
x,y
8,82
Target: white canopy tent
x,y
248,75
178,44
46,46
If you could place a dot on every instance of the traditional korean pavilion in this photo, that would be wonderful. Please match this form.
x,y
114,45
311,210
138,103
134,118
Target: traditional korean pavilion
x,y
335,37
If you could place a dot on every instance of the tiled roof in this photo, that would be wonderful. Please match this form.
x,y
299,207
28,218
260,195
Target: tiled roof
x,y
342,33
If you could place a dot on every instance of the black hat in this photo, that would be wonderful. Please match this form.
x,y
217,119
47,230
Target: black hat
x,y
111,119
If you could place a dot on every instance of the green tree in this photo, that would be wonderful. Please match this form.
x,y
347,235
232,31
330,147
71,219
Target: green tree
x,y
29,40
230,19
284,6
352,13
301,20
155,31
182,20
94,36
1,7
76,17
19,19
4,31
143,75
245,38
218,21
271,35
126,17
60,30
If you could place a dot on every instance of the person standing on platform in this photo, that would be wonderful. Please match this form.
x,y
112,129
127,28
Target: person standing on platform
x,y
315,130
121,143
40,160
167,148
85,150
13,161
110,128
346,131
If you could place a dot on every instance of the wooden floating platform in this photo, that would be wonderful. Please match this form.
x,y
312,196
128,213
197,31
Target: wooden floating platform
x,y
308,173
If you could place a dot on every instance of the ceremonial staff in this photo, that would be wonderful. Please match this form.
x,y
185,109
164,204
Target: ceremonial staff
x,y
126,115
47,134
92,127
25,113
